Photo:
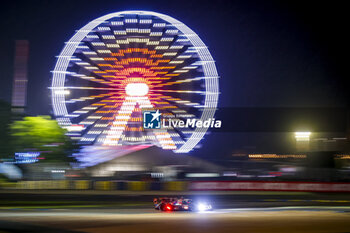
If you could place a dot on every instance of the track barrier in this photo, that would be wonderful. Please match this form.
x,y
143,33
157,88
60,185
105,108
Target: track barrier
x,y
107,185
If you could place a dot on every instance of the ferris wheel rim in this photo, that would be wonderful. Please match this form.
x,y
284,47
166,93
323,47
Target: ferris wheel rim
x,y
209,70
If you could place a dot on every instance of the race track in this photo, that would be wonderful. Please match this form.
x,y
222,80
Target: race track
x,y
269,220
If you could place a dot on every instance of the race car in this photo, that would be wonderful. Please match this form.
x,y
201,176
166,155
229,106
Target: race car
x,y
180,204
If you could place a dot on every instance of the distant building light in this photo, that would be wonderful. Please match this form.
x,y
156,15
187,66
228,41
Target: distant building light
x,y
157,175
276,156
265,176
192,175
339,138
289,169
230,174
302,136
342,156
58,171
245,176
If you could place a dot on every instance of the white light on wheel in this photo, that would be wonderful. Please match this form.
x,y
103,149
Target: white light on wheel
x,y
136,89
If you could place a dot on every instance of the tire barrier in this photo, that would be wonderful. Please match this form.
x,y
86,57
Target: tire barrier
x,y
101,185
104,185
81,184
175,186
138,186
50,184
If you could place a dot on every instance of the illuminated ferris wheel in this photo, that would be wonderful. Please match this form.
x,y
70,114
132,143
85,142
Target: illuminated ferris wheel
x,y
124,63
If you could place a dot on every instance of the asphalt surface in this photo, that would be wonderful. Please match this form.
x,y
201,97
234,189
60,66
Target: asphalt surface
x,y
137,200
269,220
268,212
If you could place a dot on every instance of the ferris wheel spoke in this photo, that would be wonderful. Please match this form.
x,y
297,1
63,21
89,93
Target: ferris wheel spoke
x,y
88,98
182,91
96,107
100,120
178,112
178,101
88,88
171,101
181,81
99,79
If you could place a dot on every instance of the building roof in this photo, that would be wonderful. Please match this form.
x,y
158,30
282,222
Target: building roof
x,y
150,158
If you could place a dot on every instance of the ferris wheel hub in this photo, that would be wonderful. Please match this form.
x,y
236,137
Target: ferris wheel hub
x,y
136,89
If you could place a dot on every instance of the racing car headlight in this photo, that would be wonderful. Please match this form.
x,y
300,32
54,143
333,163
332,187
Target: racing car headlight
x,y
202,207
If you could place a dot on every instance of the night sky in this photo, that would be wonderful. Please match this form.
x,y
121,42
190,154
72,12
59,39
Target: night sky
x,y
268,53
